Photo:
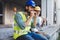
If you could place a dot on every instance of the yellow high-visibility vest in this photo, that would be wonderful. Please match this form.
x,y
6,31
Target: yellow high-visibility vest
x,y
17,30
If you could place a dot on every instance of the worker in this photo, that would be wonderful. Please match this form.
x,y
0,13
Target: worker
x,y
34,35
40,19
22,23
37,22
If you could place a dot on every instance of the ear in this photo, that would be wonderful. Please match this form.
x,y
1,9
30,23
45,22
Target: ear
x,y
27,7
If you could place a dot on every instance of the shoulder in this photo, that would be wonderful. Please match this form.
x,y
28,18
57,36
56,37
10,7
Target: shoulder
x,y
18,14
21,12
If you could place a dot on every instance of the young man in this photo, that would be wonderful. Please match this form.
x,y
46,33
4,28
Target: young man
x,y
37,21
22,23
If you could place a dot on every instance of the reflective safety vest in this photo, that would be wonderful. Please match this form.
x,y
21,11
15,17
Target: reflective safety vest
x,y
17,30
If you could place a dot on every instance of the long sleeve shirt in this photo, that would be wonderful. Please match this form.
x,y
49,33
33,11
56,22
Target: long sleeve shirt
x,y
19,21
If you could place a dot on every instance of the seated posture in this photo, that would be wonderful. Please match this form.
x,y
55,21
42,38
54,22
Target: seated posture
x,y
22,23
37,23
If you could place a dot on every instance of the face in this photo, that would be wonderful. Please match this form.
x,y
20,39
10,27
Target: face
x,y
37,12
29,9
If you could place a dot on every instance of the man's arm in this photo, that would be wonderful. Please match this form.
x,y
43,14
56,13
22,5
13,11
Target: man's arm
x,y
35,22
19,21
28,21
30,17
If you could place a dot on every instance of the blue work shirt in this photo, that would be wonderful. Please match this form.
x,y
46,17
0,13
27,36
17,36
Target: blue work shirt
x,y
19,20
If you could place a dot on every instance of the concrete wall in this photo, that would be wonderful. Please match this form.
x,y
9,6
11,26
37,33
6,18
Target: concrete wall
x,y
43,9
48,10
9,13
58,11
8,16
43,6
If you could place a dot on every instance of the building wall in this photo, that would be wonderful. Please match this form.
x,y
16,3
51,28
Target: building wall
x,y
48,10
58,11
8,16
9,13
43,7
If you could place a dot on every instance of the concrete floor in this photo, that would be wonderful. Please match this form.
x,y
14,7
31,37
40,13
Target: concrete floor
x,y
6,33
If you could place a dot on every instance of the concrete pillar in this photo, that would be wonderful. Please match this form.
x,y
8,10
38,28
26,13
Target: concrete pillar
x,y
43,8
58,11
43,4
50,12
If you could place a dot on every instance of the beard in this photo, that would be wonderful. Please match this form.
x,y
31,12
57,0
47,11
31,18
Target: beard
x,y
28,12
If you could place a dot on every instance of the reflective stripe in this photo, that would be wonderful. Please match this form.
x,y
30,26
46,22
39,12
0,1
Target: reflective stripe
x,y
17,25
16,32
19,32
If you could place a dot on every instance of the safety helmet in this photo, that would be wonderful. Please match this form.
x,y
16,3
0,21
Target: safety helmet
x,y
37,8
30,3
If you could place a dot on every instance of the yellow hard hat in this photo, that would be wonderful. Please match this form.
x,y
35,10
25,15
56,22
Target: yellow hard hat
x,y
37,8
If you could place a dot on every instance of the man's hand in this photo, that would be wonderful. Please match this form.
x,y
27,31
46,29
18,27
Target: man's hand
x,y
30,17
